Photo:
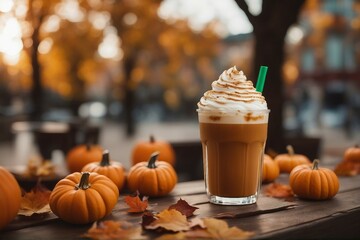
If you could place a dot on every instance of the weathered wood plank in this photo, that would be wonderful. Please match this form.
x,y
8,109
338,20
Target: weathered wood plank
x,y
306,213
344,226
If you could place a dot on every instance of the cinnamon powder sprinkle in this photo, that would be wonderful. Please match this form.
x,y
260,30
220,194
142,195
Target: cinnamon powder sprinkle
x,y
214,118
249,117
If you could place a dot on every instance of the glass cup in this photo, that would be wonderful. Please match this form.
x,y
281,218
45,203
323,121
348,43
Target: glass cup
x,y
233,148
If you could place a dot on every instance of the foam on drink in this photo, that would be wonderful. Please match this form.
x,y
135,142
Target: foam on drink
x,y
232,92
232,99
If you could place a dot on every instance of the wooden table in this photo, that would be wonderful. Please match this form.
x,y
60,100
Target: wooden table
x,y
269,218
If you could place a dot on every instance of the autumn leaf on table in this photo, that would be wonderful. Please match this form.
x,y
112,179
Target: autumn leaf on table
x,y
108,230
196,234
171,220
36,201
197,223
147,219
219,229
174,219
212,229
279,190
136,204
183,207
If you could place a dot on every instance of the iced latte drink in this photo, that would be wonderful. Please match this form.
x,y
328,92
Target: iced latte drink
x,y
233,119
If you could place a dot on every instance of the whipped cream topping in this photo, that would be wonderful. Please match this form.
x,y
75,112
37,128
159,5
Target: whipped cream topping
x,y
232,92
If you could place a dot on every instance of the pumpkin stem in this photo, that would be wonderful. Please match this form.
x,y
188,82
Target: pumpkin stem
x,y
105,161
152,138
290,150
84,181
315,164
152,160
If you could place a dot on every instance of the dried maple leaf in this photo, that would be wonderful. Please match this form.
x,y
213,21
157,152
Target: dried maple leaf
x,y
136,204
171,220
279,190
198,233
347,169
147,219
171,236
219,229
108,230
36,201
212,229
197,223
183,207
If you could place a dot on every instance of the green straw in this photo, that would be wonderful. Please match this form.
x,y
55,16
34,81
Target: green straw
x,y
261,79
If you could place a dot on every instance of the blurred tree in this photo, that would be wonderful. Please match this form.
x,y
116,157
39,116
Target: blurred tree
x,y
62,39
270,29
75,45
154,50
71,42
38,10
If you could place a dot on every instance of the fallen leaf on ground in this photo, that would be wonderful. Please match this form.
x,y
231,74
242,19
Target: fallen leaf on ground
x,y
183,207
279,190
347,169
108,230
171,220
36,201
136,204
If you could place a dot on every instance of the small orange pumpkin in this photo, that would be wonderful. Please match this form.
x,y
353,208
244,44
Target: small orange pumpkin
x,y
82,198
312,182
152,178
352,154
288,161
113,170
142,150
270,170
81,155
10,197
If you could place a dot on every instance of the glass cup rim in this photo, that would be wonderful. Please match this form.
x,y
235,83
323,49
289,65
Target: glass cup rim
x,y
236,112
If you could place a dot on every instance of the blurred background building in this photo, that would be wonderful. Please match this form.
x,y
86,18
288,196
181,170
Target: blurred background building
x,y
133,62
